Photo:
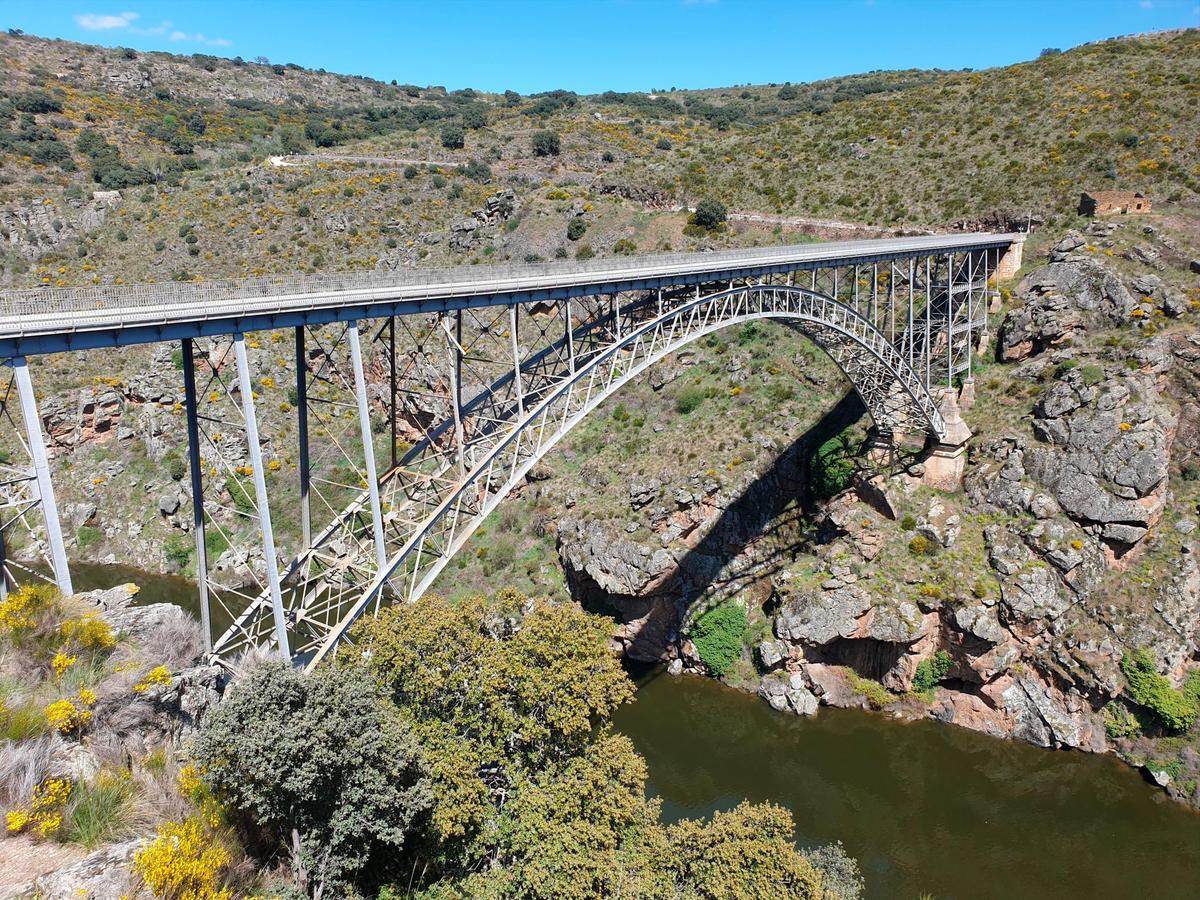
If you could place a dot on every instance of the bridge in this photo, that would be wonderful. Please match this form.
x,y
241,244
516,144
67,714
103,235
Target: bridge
x,y
420,400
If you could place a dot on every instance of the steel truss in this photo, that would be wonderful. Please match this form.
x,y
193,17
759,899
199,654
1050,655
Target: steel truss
x,y
477,397
455,407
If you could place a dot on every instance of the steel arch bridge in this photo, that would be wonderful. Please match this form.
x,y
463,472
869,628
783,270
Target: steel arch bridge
x,y
470,393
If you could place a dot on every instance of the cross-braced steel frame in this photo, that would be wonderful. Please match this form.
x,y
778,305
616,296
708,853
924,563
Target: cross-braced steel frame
x,y
406,431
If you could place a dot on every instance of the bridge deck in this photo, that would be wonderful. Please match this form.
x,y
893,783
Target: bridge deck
x,y
46,320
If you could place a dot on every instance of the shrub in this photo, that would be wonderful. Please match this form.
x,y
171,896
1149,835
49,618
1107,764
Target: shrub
x,y
840,872
44,814
717,635
624,247
36,102
1119,722
920,546
607,157
877,695
477,170
831,467
316,766
689,399
178,549
584,251
1174,711
184,863
453,136
908,523
930,671
709,214
546,143
576,228
663,144
410,172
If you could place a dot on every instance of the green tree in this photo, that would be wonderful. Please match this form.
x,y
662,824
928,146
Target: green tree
x,y
575,229
318,767
546,143
453,136
709,214
528,693
746,852
832,467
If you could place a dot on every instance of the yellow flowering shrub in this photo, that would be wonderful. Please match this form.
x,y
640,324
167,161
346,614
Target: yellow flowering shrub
x,y
184,863
65,717
20,611
44,815
194,789
61,663
157,675
89,632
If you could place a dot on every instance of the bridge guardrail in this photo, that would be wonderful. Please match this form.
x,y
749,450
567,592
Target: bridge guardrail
x,y
49,301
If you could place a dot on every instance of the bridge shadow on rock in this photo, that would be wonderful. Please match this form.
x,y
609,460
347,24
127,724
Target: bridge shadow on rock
x,y
776,512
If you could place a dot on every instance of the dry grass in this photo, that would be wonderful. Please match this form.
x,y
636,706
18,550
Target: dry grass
x,y
23,765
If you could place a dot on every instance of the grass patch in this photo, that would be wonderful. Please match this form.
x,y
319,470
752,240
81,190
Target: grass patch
x,y
99,810
22,722
877,695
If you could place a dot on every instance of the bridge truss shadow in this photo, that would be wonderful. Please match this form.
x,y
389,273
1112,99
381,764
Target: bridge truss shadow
x,y
777,511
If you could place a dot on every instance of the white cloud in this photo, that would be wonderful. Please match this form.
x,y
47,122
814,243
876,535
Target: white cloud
x,y
1146,4
124,22
95,22
198,38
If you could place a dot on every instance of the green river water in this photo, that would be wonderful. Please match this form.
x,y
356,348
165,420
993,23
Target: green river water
x,y
925,808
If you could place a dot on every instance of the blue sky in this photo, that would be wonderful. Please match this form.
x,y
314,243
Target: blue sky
x,y
595,45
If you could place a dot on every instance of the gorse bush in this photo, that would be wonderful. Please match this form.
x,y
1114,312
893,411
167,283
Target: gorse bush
x,y
184,863
717,635
1173,709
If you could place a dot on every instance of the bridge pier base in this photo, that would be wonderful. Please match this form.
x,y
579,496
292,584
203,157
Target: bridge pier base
x,y
947,458
966,396
882,448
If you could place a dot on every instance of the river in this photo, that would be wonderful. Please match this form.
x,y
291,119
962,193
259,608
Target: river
x,y
926,808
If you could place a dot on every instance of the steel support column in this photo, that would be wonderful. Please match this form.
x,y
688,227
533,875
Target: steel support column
x,y
41,472
364,423
197,472
305,468
516,355
260,491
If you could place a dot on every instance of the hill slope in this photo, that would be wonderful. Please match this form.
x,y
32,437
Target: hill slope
x,y
188,141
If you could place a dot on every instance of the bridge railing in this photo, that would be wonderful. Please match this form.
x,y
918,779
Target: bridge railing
x,y
46,300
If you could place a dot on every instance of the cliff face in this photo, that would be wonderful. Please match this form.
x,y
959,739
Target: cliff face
x,y
1072,543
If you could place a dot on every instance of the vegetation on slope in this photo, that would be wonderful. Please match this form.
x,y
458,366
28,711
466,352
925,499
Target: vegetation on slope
x,y
201,200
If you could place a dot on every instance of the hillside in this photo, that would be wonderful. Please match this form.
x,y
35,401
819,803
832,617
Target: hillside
x,y
188,142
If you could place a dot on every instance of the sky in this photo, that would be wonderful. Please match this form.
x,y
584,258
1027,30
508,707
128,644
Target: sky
x,y
596,45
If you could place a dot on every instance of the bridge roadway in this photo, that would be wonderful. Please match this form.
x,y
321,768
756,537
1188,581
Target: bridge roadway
x,y
49,320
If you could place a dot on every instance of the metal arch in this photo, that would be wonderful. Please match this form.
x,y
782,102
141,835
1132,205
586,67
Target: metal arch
x,y
874,366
